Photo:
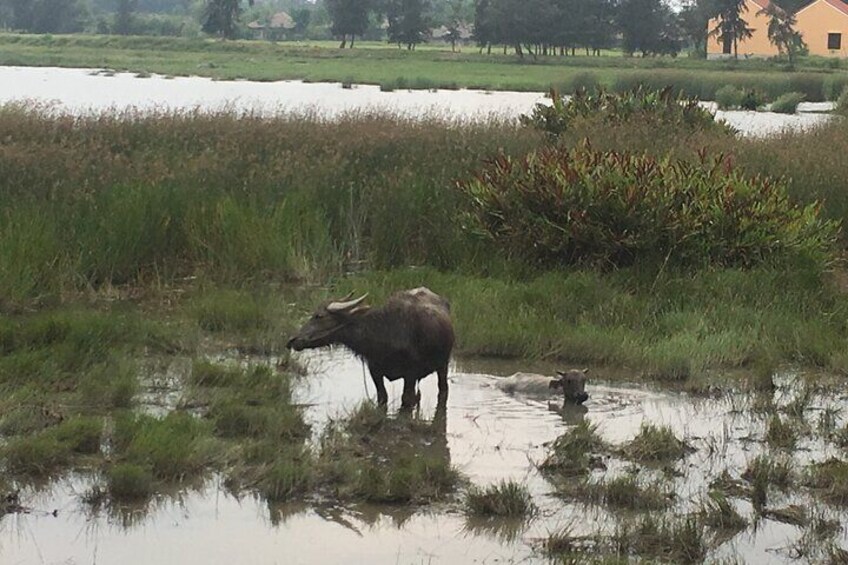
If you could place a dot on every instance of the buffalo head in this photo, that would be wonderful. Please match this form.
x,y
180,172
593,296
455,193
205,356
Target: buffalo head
x,y
326,322
573,385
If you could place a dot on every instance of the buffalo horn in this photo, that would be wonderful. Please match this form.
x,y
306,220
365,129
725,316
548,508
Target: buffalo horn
x,y
346,305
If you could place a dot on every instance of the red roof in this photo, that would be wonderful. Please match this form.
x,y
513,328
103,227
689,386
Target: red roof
x,y
838,4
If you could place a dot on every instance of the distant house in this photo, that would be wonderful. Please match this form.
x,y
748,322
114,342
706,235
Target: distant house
x,y
824,27
758,45
274,28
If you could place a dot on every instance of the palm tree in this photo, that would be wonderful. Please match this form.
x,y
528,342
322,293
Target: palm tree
x,y
781,31
731,27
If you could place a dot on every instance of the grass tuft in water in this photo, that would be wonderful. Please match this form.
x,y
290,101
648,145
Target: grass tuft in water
x,y
780,434
626,493
763,472
571,453
718,513
655,444
830,479
129,482
505,499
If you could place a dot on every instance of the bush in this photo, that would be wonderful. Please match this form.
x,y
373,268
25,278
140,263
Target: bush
x,y
842,102
787,103
639,104
752,99
728,97
558,207
834,85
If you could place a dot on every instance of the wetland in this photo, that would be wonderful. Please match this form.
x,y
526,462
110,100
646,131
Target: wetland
x,y
155,262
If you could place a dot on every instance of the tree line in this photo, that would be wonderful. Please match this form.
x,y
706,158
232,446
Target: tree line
x,y
526,27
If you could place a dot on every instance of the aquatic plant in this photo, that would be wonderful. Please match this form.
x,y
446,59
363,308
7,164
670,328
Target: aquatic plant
x,y
655,444
504,499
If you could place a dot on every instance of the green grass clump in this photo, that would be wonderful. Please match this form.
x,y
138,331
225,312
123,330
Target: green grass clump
x,y
655,444
781,434
505,499
208,374
719,514
42,455
625,492
129,482
371,457
830,479
728,97
81,434
661,107
676,540
172,448
288,477
560,207
570,453
787,103
231,311
764,471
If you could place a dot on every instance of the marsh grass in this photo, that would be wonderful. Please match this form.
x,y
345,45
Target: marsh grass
x,y
173,448
129,482
571,453
830,480
781,434
372,457
720,514
504,499
627,493
680,540
762,473
655,444
787,103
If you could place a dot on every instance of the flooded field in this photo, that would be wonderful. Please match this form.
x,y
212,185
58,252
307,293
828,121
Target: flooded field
x,y
792,513
85,90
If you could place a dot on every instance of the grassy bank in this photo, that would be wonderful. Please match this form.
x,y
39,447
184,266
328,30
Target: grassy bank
x,y
142,202
817,79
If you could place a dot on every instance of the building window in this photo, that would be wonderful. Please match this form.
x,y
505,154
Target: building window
x,y
834,41
727,44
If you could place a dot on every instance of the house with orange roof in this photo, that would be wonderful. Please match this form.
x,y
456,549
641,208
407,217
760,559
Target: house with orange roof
x,y
824,26
758,45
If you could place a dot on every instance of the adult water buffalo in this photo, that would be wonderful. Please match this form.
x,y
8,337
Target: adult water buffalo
x,y
407,338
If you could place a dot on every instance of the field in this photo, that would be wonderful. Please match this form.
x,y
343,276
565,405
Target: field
x,y
154,265
434,67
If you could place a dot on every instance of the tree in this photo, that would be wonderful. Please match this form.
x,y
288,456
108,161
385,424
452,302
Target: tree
x,y
408,24
124,15
302,17
731,27
220,17
694,19
349,17
46,16
648,26
782,32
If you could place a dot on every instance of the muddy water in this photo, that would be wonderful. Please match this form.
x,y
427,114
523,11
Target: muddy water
x,y
85,90
490,436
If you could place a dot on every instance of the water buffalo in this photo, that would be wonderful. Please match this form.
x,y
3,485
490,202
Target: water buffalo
x,y
572,383
407,338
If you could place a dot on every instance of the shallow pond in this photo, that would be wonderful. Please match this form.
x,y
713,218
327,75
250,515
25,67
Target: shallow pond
x,y
81,90
490,435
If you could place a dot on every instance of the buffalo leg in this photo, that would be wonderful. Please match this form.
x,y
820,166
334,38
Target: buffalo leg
x,y
443,384
409,398
382,395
